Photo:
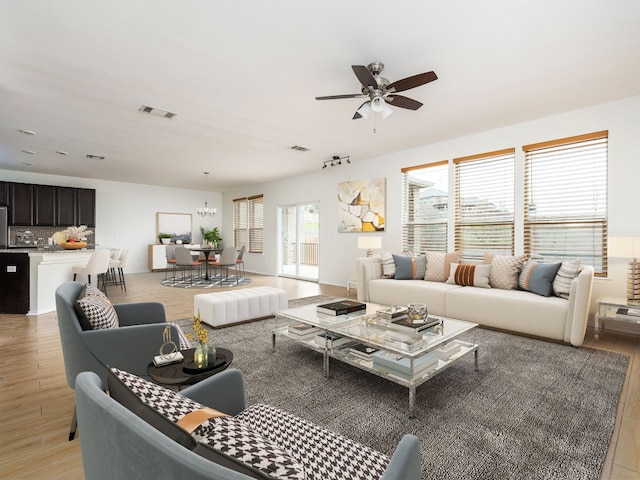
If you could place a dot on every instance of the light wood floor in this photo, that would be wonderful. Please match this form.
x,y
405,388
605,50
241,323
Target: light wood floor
x,y
36,404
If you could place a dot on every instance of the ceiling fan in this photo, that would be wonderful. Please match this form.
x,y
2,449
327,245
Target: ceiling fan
x,y
380,92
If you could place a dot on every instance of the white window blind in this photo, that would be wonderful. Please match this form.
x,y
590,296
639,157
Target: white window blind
x,y
425,202
248,222
484,211
565,191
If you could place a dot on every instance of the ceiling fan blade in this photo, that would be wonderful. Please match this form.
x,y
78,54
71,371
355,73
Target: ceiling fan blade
x,y
412,82
364,76
403,102
336,97
357,115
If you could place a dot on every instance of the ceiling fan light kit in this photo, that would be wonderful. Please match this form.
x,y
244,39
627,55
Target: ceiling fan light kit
x,y
381,93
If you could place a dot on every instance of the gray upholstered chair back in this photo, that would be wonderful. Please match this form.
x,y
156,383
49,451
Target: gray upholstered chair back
x,y
228,256
76,355
183,257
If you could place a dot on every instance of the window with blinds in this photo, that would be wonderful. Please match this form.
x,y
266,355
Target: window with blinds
x,y
484,211
566,200
425,206
248,222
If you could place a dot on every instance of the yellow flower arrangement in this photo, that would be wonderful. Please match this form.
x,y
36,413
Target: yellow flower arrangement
x,y
201,331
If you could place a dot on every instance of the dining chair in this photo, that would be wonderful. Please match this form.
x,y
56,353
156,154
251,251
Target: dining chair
x,y
171,260
240,261
185,261
97,265
228,259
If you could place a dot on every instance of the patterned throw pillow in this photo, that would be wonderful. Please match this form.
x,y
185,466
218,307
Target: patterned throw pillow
x,y
538,277
567,272
226,436
93,290
505,270
323,453
470,275
439,265
409,267
388,266
96,312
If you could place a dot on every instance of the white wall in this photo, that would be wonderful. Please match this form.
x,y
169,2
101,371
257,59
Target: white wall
x,y
621,119
126,212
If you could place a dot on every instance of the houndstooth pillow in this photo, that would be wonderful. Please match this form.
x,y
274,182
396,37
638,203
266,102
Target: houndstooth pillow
x,y
227,435
97,311
324,454
93,290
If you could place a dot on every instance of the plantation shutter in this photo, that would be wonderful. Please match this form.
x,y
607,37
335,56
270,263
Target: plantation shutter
x,y
565,192
484,211
425,209
256,236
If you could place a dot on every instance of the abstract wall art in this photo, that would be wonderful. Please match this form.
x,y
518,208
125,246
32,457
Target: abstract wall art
x,y
361,205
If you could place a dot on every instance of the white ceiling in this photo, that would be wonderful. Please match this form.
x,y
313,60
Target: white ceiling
x,y
243,76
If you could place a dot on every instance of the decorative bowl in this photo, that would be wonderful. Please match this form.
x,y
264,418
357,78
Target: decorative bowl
x,y
73,245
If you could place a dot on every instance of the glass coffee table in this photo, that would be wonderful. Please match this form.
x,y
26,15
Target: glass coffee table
x,y
400,354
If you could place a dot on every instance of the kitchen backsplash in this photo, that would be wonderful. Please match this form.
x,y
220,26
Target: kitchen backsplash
x,y
41,235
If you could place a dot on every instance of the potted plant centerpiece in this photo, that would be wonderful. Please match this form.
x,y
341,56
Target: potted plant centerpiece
x,y
165,238
210,237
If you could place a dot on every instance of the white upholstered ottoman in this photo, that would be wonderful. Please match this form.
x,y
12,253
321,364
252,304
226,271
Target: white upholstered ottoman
x,y
224,308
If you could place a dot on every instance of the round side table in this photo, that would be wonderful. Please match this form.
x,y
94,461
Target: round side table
x,y
175,374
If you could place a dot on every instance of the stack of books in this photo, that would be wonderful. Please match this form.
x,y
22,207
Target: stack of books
x,y
418,326
363,351
342,307
401,366
334,340
391,313
303,331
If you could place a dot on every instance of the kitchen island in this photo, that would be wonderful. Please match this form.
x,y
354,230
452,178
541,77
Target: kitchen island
x,y
47,270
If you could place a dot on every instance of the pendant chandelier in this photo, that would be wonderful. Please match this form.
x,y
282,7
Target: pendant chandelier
x,y
206,211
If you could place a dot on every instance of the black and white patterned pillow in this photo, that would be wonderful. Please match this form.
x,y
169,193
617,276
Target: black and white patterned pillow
x,y
97,311
325,455
227,435
93,290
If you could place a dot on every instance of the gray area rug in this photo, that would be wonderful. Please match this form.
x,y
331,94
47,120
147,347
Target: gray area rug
x,y
197,281
534,410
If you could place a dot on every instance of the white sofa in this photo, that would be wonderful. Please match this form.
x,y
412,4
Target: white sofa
x,y
514,310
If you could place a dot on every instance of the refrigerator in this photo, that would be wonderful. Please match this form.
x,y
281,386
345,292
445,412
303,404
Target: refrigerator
x,y
4,228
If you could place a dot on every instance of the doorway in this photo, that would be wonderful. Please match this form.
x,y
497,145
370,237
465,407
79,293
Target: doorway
x,y
299,248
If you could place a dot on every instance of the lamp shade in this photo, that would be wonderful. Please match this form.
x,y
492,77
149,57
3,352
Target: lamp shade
x,y
624,247
369,243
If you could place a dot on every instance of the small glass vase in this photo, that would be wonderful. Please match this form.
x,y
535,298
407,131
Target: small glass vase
x,y
201,355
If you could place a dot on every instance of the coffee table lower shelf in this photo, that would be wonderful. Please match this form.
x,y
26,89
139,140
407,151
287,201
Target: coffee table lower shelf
x,y
411,381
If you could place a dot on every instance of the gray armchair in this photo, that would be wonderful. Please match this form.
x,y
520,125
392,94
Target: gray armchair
x,y
130,347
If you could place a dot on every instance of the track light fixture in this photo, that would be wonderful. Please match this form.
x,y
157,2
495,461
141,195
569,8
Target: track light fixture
x,y
335,160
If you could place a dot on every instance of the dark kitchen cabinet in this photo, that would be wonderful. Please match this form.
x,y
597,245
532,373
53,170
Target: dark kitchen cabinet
x,y
21,204
44,199
65,206
4,194
86,206
14,278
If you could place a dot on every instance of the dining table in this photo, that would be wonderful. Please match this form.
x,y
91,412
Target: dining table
x,y
206,251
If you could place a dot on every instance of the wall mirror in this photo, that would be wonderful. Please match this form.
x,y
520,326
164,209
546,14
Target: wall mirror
x,y
177,224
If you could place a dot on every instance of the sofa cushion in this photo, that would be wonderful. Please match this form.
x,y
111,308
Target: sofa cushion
x,y
505,270
470,275
323,453
409,267
538,277
95,312
388,265
567,272
224,440
439,265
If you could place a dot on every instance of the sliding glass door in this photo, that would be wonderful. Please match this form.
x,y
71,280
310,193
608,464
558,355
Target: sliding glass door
x,y
299,228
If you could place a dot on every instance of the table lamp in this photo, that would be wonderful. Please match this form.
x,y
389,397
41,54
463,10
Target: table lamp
x,y
628,247
370,244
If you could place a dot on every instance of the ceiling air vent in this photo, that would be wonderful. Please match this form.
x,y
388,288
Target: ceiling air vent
x,y
95,157
298,148
158,112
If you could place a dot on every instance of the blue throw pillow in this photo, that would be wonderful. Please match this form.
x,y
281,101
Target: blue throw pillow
x,y
408,267
538,277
